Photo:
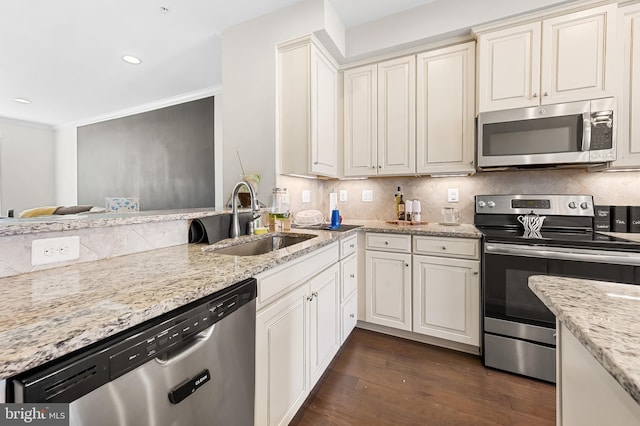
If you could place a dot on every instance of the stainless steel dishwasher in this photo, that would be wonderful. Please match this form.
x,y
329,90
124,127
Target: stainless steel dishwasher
x,y
193,366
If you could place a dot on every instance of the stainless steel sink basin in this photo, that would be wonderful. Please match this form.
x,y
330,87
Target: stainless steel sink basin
x,y
263,245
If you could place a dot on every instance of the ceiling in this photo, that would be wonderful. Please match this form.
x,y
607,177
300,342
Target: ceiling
x,y
66,56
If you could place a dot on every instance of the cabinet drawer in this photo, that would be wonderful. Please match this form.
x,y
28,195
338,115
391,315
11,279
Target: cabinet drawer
x,y
280,280
348,246
349,317
389,242
349,277
465,248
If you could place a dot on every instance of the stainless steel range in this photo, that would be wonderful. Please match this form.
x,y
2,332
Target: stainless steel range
x,y
528,235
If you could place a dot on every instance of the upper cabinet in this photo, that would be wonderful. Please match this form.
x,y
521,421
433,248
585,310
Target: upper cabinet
x,y
379,118
560,59
307,109
411,115
628,138
445,110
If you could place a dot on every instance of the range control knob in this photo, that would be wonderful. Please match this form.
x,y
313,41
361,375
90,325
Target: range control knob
x,y
584,205
491,204
572,205
481,204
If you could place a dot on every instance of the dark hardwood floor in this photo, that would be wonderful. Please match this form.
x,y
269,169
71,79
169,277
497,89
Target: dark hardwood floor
x,y
381,380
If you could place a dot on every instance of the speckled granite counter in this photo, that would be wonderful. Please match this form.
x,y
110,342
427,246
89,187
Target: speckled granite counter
x,y
603,317
49,313
431,229
96,220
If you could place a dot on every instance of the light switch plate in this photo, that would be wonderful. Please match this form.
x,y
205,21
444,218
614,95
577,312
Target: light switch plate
x,y
367,195
306,196
343,195
453,195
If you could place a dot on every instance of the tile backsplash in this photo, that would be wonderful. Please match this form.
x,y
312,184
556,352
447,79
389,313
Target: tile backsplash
x,y
610,188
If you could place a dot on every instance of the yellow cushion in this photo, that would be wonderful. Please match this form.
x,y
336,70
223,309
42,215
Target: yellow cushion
x,y
38,211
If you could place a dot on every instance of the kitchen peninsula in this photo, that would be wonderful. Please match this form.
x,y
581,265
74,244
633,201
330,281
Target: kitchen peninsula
x,y
52,312
598,344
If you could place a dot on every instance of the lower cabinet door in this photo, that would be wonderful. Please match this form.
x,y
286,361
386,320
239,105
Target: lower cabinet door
x,y
349,316
281,362
446,298
324,321
388,289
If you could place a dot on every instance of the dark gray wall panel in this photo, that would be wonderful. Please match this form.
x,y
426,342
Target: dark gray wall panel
x,y
165,157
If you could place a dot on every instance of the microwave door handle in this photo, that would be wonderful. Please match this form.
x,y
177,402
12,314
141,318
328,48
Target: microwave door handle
x,y
586,131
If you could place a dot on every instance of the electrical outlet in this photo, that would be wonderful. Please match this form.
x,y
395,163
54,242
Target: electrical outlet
x,y
367,195
306,196
343,195
453,195
53,250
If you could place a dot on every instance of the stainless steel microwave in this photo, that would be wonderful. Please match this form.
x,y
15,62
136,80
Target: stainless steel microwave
x,y
562,134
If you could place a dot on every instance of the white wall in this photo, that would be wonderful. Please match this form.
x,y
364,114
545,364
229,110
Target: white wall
x,y
26,166
249,81
66,166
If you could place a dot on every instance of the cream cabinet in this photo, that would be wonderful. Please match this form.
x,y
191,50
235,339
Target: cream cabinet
x,y
446,298
298,332
349,285
628,136
560,59
361,121
388,280
446,288
307,109
379,118
446,110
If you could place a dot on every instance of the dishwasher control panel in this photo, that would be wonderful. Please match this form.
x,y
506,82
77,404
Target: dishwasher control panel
x,y
169,335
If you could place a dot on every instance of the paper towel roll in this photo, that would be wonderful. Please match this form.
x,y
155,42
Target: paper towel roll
x,y
333,202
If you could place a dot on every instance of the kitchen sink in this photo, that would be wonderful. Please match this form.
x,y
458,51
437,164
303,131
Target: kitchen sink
x,y
264,245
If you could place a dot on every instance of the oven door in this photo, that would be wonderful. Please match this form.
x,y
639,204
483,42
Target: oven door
x,y
507,268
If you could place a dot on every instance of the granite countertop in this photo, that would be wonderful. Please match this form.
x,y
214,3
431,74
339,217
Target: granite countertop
x,y
49,313
603,317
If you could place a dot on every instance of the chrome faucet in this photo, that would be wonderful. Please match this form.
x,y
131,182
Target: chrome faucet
x,y
255,210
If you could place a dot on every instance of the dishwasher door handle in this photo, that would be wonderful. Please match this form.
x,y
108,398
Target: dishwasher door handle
x,y
188,387
199,340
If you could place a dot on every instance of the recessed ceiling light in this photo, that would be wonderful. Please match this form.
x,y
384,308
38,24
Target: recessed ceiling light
x,y
22,100
131,59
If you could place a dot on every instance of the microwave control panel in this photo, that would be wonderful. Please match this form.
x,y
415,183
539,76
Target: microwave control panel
x,y
602,130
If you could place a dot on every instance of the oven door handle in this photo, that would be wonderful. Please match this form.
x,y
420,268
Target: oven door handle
x,y
562,253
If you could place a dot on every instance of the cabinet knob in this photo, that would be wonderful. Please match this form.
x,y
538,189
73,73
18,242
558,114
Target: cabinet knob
x,y
379,166
406,264
444,247
352,275
314,294
316,163
546,94
352,246
475,272
535,95
352,315
386,243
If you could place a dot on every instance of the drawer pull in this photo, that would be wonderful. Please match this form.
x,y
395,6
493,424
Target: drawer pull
x,y
352,275
352,246
444,247
386,243
352,316
314,294
475,272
